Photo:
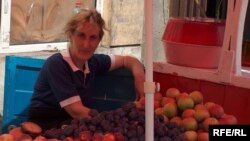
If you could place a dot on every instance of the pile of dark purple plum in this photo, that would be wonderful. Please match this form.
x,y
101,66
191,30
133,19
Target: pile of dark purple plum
x,y
123,124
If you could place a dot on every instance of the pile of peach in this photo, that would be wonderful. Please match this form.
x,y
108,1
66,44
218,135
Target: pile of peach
x,y
189,111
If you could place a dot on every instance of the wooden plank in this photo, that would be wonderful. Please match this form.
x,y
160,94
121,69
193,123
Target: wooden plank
x,y
174,8
125,20
191,8
107,17
200,8
204,8
183,8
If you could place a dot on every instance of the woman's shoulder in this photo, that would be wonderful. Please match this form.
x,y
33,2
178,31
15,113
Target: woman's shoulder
x,y
101,62
54,59
100,57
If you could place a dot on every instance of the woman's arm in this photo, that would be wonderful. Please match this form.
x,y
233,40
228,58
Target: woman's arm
x,y
137,69
77,110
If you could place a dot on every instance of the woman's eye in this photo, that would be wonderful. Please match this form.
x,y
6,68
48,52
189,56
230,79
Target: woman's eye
x,y
93,37
81,35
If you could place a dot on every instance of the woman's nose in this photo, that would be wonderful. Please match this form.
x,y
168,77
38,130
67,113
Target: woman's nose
x,y
86,43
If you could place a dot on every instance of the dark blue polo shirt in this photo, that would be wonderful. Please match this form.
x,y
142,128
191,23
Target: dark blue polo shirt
x,y
61,83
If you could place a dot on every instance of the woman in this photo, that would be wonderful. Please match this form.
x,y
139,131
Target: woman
x,y
62,90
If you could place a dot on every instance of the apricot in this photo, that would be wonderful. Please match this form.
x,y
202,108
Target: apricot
x,y
189,123
188,113
209,121
196,96
228,119
216,111
170,110
201,114
203,136
191,135
172,92
185,103
6,137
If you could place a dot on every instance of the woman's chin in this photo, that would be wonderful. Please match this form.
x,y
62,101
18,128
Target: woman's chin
x,y
84,57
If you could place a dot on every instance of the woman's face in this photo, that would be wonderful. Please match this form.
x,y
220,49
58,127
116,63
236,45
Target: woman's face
x,y
84,41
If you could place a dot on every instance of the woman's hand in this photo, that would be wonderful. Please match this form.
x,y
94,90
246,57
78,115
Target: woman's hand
x,y
139,83
77,110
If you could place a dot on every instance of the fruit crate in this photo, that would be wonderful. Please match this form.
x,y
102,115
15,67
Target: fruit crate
x,y
112,89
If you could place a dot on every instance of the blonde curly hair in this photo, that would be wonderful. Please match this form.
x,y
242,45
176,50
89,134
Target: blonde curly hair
x,y
85,15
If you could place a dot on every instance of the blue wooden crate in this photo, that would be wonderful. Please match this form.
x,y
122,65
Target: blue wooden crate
x,y
111,90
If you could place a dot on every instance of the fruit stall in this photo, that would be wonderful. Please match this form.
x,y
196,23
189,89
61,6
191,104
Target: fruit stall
x,y
220,78
201,86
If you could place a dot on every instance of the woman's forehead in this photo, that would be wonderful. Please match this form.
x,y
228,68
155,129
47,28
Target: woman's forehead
x,y
88,26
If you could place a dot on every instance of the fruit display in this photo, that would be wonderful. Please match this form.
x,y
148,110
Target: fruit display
x,y
178,116
123,124
190,112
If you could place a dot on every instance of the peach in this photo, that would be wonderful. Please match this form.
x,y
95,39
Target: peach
x,y
170,110
159,111
25,137
172,92
16,132
181,95
191,135
55,139
119,136
228,119
138,105
166,100
68,139
108,137
209,104
7,137
142,100
97,137
157,104
201,114
188,113
209,121
40,138
158,96
189,123
176,119
216,111
185,103
196,96
203,136
200,106
85,135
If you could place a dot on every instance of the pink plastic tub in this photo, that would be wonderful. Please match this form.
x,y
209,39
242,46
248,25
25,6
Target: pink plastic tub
x,y
193,42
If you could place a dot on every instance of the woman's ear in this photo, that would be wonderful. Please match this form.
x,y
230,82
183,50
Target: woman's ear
x,y
70,37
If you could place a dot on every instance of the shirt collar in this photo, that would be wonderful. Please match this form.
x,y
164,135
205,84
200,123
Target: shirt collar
x,y
68,59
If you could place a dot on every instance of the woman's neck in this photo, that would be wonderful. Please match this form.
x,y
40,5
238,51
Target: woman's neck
x,y
79,63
